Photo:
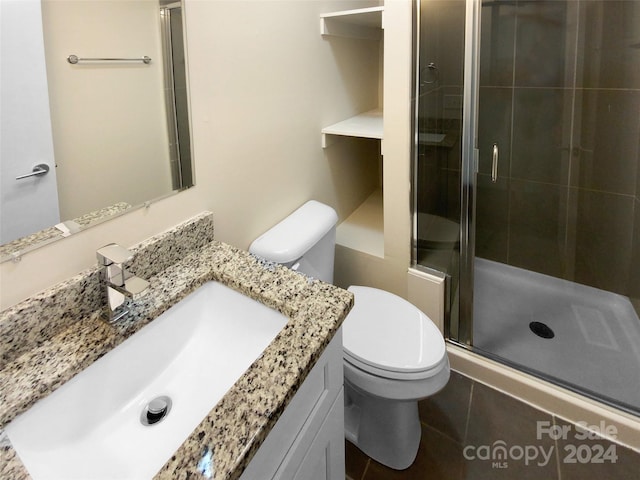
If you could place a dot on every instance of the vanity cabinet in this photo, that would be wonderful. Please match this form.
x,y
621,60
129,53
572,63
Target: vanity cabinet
x,y
307,442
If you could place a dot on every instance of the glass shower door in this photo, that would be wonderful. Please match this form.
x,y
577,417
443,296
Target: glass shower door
x,y
556,273
439,152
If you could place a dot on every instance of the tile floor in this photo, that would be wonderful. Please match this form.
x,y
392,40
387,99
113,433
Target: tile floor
x,y
466,415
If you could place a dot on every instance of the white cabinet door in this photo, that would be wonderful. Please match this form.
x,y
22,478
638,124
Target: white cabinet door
x,y
325,458
307,442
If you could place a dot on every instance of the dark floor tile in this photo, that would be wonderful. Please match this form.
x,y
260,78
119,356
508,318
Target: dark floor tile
x,y
439,458
447,410
510,470
355,461
594,458
634,269
498,420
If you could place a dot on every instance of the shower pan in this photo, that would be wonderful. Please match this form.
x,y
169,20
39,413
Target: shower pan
x,y
529,201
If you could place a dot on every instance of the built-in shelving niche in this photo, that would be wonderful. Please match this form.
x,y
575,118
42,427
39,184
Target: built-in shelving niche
x,y
363,230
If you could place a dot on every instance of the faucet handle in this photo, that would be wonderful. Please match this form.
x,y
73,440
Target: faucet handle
x,y
113,253
135,286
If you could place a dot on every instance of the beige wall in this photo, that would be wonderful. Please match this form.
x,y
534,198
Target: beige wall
x,y
263,83
109,120
397,133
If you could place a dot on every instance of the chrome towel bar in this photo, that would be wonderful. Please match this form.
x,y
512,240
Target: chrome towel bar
x,y
74,59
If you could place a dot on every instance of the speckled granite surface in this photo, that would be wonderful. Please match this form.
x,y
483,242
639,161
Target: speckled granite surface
x,y
50,234
237,425
59,307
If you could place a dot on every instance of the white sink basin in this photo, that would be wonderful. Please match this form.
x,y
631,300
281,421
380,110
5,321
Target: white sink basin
x,y
193,353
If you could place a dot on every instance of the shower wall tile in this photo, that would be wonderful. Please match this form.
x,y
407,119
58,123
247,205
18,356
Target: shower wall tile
x,y
609,52
604,232
453,208
606,147
452,143
492,218
537,226
442,38
494,126
638,171
498,32
634,268
442,43
428,196
546,43
430,105
541,135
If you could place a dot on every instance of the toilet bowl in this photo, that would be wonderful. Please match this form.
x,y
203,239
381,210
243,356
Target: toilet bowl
x,y
394,355
436,232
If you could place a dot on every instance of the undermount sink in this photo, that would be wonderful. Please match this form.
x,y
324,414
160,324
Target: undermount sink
x,y
93,426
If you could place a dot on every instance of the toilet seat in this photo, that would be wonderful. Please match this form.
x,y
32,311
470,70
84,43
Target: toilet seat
x,y
391,374
389,337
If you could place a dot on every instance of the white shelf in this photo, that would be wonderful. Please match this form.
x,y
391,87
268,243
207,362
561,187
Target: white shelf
x,y
365,125
359,23
363,230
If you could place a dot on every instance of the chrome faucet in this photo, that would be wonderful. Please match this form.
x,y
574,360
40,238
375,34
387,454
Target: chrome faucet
x,y
118,283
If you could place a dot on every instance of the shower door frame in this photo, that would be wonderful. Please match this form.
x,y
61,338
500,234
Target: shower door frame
x,y
469,169
469,166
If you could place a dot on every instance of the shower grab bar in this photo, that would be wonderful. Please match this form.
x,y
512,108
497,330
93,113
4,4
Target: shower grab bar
x,y
494,164
74,59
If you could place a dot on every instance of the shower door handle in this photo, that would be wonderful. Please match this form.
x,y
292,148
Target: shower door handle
x,y
494,164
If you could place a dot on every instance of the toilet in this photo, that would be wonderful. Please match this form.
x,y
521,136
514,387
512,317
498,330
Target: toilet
x,y
394,355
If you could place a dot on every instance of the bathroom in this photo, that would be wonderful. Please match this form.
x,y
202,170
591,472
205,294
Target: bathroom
x,y
263,83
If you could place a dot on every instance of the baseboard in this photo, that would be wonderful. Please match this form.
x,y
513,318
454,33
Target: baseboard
x,y
546,396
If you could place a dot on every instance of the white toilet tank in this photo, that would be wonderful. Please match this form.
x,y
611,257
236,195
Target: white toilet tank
x,y
304,241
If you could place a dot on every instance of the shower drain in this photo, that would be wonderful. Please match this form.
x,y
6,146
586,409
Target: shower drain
x,y
541,330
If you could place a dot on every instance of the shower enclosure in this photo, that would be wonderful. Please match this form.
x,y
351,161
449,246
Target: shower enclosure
x,y
176,97
527,184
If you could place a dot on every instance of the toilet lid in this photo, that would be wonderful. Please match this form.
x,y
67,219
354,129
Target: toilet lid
x,y
385,332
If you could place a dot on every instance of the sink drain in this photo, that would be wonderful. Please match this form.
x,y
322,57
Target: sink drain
x,y
156,410
541,330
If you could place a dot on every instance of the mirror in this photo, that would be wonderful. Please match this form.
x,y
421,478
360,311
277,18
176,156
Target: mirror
x,y
114,131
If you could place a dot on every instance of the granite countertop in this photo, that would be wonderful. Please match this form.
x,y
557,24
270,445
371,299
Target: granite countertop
x,y
236,427
21,245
